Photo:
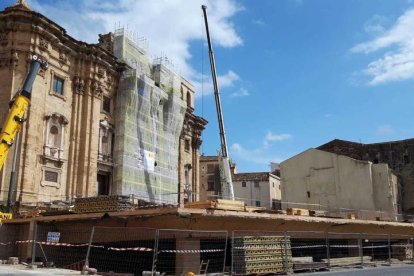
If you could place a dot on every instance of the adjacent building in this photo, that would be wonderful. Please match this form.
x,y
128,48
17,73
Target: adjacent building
x,y
259,189
104,118
316,179
210,186
399,155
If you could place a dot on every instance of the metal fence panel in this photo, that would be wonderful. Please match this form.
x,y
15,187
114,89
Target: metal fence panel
x,y
375,249
309,250
62,246
11,241
344,249
257,252
183,251
401,248
128,250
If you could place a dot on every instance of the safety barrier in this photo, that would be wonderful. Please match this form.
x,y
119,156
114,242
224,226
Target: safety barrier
x,y
148,251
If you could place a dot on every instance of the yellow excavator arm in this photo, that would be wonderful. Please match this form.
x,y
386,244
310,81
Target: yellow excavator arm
x,y
19,106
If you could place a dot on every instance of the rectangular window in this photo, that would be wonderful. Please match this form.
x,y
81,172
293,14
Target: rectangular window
x,y
106,104
244,184
58,85
256,184
257,203
210,168
51,176
276,204
187,144
210,185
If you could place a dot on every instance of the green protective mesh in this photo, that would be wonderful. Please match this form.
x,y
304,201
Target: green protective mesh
x,y
149,119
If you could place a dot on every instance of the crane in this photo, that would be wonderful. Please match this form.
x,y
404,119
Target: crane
x,y
224,160
15,118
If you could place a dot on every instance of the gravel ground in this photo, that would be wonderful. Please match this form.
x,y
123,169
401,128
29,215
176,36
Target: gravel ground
x,y
24,270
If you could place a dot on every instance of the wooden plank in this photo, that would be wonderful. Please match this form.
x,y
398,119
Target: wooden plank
x,y
297,212
204,204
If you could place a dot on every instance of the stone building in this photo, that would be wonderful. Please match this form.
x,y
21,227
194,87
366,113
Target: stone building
x,y
321,180
399,155
210,186
259,189
189,148
67,147
58,150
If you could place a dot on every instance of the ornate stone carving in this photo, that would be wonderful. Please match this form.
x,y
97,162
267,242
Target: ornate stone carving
x,y
62,58
14,59
43,43
96,89
56,117
101,72
4,38
78,85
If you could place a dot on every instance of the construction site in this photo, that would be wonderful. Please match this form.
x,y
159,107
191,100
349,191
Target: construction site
x,y
122,193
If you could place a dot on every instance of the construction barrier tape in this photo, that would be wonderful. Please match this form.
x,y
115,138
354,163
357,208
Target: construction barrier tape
x,y
131,249
260,248
344,246
376,246
401,245
62,244
191,251
309,246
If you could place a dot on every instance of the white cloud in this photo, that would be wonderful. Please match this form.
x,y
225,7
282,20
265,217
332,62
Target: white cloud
x,y
270,137
375,25
253,156
259,155
242,92
169,26
385,130
258,22
204,83
398,62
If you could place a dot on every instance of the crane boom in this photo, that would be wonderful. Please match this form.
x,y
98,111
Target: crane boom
x,y
18,108
225,173
15,118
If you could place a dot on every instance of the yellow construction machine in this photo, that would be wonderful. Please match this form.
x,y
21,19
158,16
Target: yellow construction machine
x,y
12,125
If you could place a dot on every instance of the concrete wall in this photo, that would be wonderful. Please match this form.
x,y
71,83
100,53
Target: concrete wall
x,y
399,155
316,177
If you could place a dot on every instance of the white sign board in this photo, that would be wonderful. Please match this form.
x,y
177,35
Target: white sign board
x,y
53,236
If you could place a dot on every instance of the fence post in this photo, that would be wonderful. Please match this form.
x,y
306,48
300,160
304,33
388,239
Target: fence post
x,y
285,259
360,249
34,243
225,252
155,255
232,253
89,247
389,249
412,249
328,254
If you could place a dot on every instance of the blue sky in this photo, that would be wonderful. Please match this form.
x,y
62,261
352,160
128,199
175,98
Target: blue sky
x,y
294,74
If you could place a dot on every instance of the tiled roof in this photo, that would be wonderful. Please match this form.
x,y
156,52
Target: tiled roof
x,y
208,158
256,176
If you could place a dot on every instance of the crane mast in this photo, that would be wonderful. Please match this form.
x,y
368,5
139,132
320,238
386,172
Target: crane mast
x,y
225,173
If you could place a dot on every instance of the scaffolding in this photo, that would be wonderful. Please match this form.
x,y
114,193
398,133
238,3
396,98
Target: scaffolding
x,y
149,120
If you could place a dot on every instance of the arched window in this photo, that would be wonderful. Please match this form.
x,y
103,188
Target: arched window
x,y
54,140
188,99
105,141
54,135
